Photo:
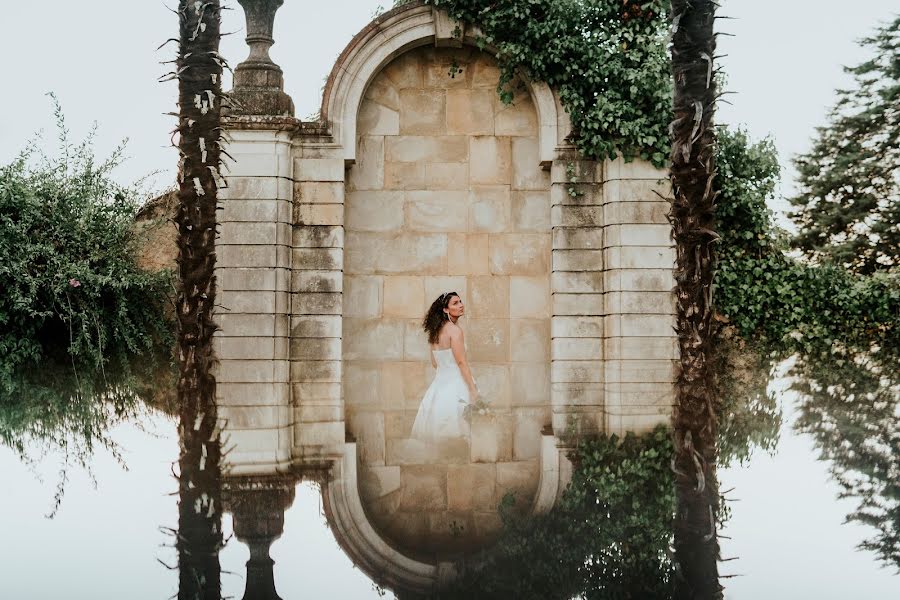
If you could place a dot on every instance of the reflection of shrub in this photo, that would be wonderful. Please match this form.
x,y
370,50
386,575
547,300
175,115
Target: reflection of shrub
x,y
79,321
608,536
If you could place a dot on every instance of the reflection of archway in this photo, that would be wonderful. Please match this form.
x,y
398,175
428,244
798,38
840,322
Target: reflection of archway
x,y
402,33
378,559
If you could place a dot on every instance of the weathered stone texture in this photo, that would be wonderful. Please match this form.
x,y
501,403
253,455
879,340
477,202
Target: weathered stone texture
x,y
327,269
454,199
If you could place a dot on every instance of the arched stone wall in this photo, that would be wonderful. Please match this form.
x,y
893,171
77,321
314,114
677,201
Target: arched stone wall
x,y
389,36
291,283
447,194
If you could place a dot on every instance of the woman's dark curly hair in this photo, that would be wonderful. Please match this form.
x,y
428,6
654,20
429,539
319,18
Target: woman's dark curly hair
x,y
436,317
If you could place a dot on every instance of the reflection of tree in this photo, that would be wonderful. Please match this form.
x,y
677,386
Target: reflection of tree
x,y
849,404
199,536
608,536
750,417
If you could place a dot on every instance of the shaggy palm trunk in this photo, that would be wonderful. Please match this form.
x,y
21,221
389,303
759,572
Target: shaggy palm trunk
x,y
693,224
199,73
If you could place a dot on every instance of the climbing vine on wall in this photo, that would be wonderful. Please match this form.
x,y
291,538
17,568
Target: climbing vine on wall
x,y
607,60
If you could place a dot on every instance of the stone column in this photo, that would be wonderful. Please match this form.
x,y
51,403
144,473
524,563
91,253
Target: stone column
x,y
254,260
254,273
259,82
258,509
577,286
317,299
639,343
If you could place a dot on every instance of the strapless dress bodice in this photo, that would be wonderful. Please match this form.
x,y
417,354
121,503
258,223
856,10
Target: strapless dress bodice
x,y
444,358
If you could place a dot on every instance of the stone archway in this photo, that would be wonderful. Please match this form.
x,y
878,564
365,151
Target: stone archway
x,y
389,36
418,217
290,243
447,194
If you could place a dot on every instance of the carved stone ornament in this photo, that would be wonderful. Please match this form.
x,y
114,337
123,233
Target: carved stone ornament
x,y
259,82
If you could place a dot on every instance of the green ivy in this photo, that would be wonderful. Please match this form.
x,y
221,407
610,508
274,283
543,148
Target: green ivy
x,y
608,537
608,61
787,304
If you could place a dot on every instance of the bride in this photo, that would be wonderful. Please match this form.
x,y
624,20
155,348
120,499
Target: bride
x,y
441,412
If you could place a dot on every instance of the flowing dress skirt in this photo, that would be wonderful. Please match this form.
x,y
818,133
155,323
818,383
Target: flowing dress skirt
x,y
441,412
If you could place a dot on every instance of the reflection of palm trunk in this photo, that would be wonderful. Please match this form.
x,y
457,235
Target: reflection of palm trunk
x,y
199,482
694,420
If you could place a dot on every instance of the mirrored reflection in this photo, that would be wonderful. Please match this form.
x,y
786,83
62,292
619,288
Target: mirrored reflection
x,y
67,413
604,531
257,506
608,531
199,538
850,405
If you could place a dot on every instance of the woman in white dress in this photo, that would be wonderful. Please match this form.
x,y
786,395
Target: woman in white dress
x,y
441,414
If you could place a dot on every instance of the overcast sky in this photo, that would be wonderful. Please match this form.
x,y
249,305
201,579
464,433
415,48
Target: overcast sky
x,y
99,57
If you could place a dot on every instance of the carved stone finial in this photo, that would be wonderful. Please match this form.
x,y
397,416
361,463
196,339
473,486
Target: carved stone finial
x,y
259,82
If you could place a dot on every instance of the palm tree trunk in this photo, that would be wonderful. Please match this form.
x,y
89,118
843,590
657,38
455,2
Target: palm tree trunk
x,y
199,73
693,224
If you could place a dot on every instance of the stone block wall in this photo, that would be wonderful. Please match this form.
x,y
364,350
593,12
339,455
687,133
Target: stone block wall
x,y
639,343
447,194
317,287
613,311
577,284
253,267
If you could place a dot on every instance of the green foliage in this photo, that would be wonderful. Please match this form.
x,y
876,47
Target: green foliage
x,y
840,327
607,59
608,536
76,313
784,303
848,209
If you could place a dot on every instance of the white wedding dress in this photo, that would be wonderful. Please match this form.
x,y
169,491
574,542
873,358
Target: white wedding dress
x,y
440,415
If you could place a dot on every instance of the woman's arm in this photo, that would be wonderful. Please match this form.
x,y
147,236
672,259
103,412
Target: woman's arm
x,y
457,344
431,355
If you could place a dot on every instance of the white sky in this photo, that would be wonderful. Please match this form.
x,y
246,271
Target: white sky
x,y
99,57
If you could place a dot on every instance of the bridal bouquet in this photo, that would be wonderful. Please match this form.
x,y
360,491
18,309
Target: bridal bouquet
x,y
480,407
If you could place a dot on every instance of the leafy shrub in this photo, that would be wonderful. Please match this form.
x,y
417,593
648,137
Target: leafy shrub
x,y
82,328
